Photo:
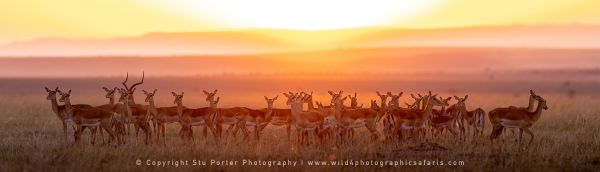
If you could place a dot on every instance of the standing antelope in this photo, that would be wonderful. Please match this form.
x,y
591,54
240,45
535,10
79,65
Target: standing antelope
x,y
232,117
86,117
415,119
475,119
128,119
195,117
355,118
137,114
62,113
304,121
445,120
515,118
160,116
259,119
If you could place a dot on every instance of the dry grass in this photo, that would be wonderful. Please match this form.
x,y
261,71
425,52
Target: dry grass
x,y
566,140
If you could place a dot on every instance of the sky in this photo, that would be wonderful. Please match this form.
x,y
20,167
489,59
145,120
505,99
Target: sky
x,y
30,19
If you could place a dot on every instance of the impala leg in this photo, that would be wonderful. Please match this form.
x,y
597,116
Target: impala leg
x,y
520,137
65,132
531,134
94,130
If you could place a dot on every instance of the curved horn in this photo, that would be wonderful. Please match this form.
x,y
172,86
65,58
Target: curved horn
x,y
136,84
125,82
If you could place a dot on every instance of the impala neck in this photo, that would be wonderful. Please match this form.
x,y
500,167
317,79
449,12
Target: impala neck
x,y
180,109
127,108
428,110
269,113
68,109
530,105
130,100
55,108
310,105
111,100
538,112
151,104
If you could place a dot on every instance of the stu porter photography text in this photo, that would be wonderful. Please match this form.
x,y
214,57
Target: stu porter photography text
x,y
295,163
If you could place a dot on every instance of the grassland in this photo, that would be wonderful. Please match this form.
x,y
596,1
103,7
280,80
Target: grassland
x,y
566,139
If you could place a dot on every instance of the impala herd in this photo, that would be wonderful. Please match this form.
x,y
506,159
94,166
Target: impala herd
x,y
324,124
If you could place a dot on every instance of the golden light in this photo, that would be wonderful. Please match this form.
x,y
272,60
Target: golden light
x,y
302,15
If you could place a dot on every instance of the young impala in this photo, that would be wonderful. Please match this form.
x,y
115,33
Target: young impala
x,y
86,117
515,118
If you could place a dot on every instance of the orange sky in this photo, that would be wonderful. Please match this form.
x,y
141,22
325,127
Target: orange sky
x,y
30,19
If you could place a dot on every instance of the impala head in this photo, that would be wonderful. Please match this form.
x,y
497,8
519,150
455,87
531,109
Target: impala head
x,y
532,94
433,100
64,97
110,93
51,93
461,101
178,98
383,97
445,101
374,105
270,101
213,103
308,98
210,96
542,102
124,95
395,99
149,95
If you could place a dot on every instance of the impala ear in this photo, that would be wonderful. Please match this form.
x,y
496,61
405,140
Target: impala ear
x,y
421,96
205,92
56,89
69,92
105,89
174,94
47,90
457,98
145,92
400,95
267,99
275,97
466,96
378,94
115,88
182,93
215,92
531,92
331,93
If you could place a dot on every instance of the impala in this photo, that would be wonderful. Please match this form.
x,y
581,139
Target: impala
x,y
131,89
445,120
475,119
86,117
62,113
415,119
259,119
194,117
355,118
137,113
232,117
515,118
160,116
304,121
